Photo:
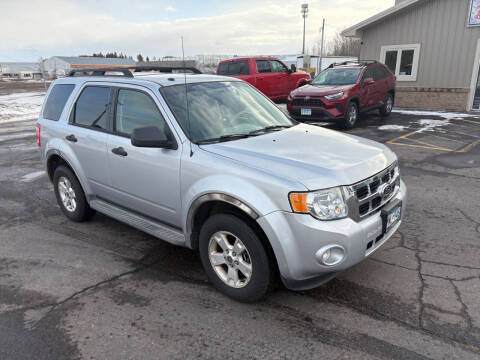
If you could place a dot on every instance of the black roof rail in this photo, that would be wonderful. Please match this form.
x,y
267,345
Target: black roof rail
x,y
166,69
100,72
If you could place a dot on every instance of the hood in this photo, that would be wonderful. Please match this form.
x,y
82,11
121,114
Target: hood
x,y
319,90
316,157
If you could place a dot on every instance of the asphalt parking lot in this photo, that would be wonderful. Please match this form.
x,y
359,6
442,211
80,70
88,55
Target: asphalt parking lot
x,y
102,290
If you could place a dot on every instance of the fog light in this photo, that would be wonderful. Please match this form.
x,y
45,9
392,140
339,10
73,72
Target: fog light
x,y
330,255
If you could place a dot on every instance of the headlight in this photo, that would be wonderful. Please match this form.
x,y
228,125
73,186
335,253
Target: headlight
x,y
328,204
334,96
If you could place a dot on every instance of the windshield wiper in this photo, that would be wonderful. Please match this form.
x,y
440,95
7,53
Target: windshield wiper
x,y
270,128
224,138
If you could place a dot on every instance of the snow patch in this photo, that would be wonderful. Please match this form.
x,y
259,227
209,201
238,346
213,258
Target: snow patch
x,y
32,176
430,124
20,106
445,115
393,127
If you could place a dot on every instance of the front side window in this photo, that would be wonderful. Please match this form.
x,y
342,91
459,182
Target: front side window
x,y
92,106
263,66
223,111
337,76
56,101
136,109
402,60
278,67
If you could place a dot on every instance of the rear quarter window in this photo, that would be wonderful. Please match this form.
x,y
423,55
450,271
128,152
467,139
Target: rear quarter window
x,y
56,101
234,68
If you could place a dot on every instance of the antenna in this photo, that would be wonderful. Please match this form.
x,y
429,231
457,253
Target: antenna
x,y
186,97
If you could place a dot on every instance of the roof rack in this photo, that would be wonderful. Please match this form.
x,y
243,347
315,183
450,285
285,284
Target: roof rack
x,y
354,62
100,72
166,69
127,71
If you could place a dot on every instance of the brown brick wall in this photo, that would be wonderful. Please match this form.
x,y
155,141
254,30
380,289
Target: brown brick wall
x,y
431,98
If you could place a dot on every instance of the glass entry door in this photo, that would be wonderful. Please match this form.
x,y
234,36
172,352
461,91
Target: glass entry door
x,y
476,98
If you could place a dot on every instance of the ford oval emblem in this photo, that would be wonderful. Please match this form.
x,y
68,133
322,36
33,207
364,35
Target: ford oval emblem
x,y
387,190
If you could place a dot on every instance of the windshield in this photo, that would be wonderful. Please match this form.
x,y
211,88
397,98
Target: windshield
x,y
221,111
337,77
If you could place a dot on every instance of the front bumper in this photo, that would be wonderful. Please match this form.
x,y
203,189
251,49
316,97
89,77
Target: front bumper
x,y
295,239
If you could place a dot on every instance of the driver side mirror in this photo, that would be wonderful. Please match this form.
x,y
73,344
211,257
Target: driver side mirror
x,y
293,68
153,137
368,81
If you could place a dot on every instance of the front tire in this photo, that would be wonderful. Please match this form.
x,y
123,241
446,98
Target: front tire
x,y
351,116
70,195
234,258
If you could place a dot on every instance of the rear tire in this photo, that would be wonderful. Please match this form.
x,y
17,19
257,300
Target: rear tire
x,y
70,195
351,116
387,107
234,258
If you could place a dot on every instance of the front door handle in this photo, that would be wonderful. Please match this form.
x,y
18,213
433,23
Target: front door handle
x,y
71,138
119,151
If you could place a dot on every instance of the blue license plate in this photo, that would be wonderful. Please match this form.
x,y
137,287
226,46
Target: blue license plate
x,y
394,216
306,112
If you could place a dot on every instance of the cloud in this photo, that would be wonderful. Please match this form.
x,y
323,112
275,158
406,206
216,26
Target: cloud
x,y
170,8
251,27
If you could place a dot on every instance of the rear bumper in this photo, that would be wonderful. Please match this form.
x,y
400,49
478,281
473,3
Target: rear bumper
x,y
297,238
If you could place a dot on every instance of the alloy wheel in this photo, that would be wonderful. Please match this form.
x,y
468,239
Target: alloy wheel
x,y
67,194
230,259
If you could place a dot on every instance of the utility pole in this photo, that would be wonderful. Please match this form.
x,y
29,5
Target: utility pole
x,y
321,48
304,15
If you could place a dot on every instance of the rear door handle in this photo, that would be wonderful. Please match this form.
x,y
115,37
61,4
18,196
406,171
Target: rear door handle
x,y
119,151
71,138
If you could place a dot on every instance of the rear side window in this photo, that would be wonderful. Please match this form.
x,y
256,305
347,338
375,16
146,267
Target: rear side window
x,y
56,101
263,66
222,69
234,68
92,107
136,109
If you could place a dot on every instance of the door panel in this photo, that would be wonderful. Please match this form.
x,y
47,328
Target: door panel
x,y
281,84
90,118
145,180
369,93
265,78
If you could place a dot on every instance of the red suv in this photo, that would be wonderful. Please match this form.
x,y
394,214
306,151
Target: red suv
x,y
267,74
341,92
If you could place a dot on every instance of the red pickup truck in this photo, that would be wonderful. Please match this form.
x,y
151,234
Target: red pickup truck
x,y
267,74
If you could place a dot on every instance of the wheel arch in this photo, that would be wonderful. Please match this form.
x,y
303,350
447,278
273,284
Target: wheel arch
x,y
218,203
55,158
207,204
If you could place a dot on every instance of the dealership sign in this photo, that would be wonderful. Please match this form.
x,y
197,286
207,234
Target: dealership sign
x,y
474,13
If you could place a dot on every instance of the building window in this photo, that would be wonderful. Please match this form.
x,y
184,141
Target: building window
x,y
402,60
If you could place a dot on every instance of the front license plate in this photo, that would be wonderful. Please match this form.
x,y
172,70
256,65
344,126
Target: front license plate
x,y
306,112
394,216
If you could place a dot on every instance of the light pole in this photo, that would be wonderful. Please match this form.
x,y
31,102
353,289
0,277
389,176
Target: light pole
x,y
304,15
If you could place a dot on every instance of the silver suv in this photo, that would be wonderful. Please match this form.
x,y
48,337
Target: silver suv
x,y
210,163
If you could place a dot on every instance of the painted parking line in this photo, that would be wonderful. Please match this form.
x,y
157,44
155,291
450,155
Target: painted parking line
x,y
447,140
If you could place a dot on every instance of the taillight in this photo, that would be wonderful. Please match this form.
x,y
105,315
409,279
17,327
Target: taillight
x,y
38,135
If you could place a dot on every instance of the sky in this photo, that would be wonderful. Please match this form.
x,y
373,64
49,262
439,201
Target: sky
x,y
30,29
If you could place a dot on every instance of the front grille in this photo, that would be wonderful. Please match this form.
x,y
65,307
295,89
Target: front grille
x,y
308,102
368,195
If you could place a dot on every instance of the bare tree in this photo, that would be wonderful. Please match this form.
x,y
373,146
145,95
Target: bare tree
x,y
343,46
